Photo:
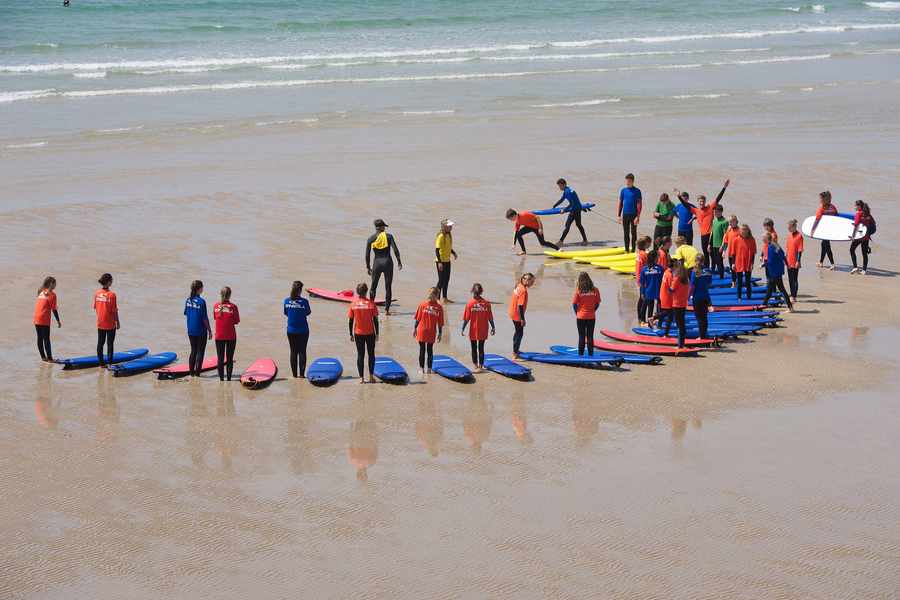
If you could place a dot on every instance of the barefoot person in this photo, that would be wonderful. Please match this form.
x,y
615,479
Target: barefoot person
x,y
744,254
381,243
363,319
716,241
226,316
574,214
793,253
525,223
44,306
297,311
518,304
106,306
678,282
664,215
651,279
701,280
443,252
478,316
585,303
863,217
776,261
428,327
825,208
729,245
198,329
629,212
704,214
684,210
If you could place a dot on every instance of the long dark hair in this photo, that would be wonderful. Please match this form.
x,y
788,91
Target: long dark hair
x,y
196,286
48,281
864,207
585,283
652,258
105,280
681,273
296,289
477,289
225,294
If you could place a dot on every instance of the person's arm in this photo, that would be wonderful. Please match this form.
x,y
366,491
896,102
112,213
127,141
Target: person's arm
x,y
561,199
375,322
799,255
396,252
415,326
453,253
521,309
721,194
493,329
369,256
440,332
350,324
640,205
206,322
116,310
465,323
856,222
56,316
237,315
621,202
307,309
437,255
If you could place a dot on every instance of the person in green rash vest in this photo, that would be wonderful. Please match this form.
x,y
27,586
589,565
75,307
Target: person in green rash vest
x,y
664,214
719,227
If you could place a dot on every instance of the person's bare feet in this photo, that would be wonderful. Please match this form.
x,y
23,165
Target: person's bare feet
x,y
520,253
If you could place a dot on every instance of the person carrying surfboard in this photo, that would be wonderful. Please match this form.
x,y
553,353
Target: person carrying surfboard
x,y
478,313
381,243
864,217
793,253
825,208
629,212
525,223
198,329
704,213
518,304
296,309
226,316
574,214
664,214
363,316
106,306
443,252
744,254
44,305
585,303
428,327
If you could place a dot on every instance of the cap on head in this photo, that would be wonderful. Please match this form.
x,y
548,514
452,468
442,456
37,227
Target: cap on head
x,y
448,223
380,223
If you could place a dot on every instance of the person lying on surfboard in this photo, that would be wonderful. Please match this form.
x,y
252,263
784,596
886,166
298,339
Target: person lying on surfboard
x,y
525,223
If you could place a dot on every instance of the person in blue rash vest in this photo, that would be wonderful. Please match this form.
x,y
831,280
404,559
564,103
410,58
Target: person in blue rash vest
x,y
296,309
684,212
198,328
629,213
574,214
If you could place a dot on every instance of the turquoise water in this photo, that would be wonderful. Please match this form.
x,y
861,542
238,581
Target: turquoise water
x,y
130,63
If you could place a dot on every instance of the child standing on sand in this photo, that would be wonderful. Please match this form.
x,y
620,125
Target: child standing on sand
x,y
640,261
651,279
478,313
744,253
428,327
775,263
43,307
585,303
729,246
106,306
363,323
518,304
794,251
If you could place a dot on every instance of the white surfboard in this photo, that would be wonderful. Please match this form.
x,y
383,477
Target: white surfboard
x,y
835,229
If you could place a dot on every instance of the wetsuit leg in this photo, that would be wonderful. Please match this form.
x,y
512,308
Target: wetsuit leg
x,y
517,336
748,281
826,252
575,215
101,342
793,282
740,285
688,236
481,352
198,349
110,345
641,310
779,283
629,232
589,335
302,342
704,242
443,282
43,341
422,355
570,218
544,242
376,278
853,246
701,312
866,251
220,358
230,347
293,341
474,345
429,355
679,318
665,317
360,353
731,265
370,348
581,325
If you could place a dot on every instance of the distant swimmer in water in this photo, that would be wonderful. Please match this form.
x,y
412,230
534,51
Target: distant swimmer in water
x,y
381,243
574,216
526,222
65,2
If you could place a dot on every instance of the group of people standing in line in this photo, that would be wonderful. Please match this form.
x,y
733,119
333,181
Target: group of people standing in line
x,y
667,280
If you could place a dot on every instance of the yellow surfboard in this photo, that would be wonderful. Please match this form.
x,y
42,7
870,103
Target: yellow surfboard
x,y
596,252
627,270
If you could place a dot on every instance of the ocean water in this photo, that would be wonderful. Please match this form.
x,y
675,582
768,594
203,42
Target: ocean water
x,y
133,65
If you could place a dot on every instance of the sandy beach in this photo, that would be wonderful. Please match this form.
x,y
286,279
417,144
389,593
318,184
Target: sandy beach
x,y
764,469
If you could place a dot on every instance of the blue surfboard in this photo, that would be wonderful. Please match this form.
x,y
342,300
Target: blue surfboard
x,y
634,359
561,210
86,362
726,283
389,370
142,365
324,371
572,361
450,368
506,367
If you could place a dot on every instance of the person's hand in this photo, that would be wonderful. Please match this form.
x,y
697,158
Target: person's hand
x,y
440,266
369,271
440,336
414,333
656,215
209,335
376,337
727,182
352,338
454,255
463,333
400,266
493,331
619,220
523,322
58,324
637,220
118,325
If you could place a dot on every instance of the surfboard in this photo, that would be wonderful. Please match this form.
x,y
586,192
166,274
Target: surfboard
x,y
724,291
632,359
577,253
324,371
570,360
719,309
693,332
613,258
831,228
142,365
506,367
259,374
86,362
389,370
450,368
623,269
176,371
633,338
340,296
726,283
645,349
561,210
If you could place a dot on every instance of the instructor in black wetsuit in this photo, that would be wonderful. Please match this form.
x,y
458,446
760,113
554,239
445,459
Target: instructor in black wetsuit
x,y
381,243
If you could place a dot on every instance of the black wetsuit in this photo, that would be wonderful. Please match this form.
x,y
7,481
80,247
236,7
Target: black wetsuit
x,y
382,265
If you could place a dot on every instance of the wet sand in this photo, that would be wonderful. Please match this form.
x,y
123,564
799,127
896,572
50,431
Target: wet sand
x,y
765,469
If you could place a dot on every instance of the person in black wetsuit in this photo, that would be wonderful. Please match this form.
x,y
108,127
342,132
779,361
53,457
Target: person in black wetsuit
x,y
381,243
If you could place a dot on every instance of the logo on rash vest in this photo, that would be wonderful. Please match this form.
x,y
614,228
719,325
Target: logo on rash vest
x,y
192,303
480,307
432,311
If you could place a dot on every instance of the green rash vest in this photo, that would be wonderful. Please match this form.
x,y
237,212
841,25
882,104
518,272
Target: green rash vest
x,y
719,227
664,210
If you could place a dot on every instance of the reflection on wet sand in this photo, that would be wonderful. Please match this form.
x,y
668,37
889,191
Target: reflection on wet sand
x,y
478,418
519,416
429,425
226,434
44,407
585,420
363,448
299,444
107,408
198,440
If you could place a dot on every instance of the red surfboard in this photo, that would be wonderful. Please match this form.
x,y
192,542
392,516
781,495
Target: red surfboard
x,y
259,374
183,370
341,296
653,340
648,349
